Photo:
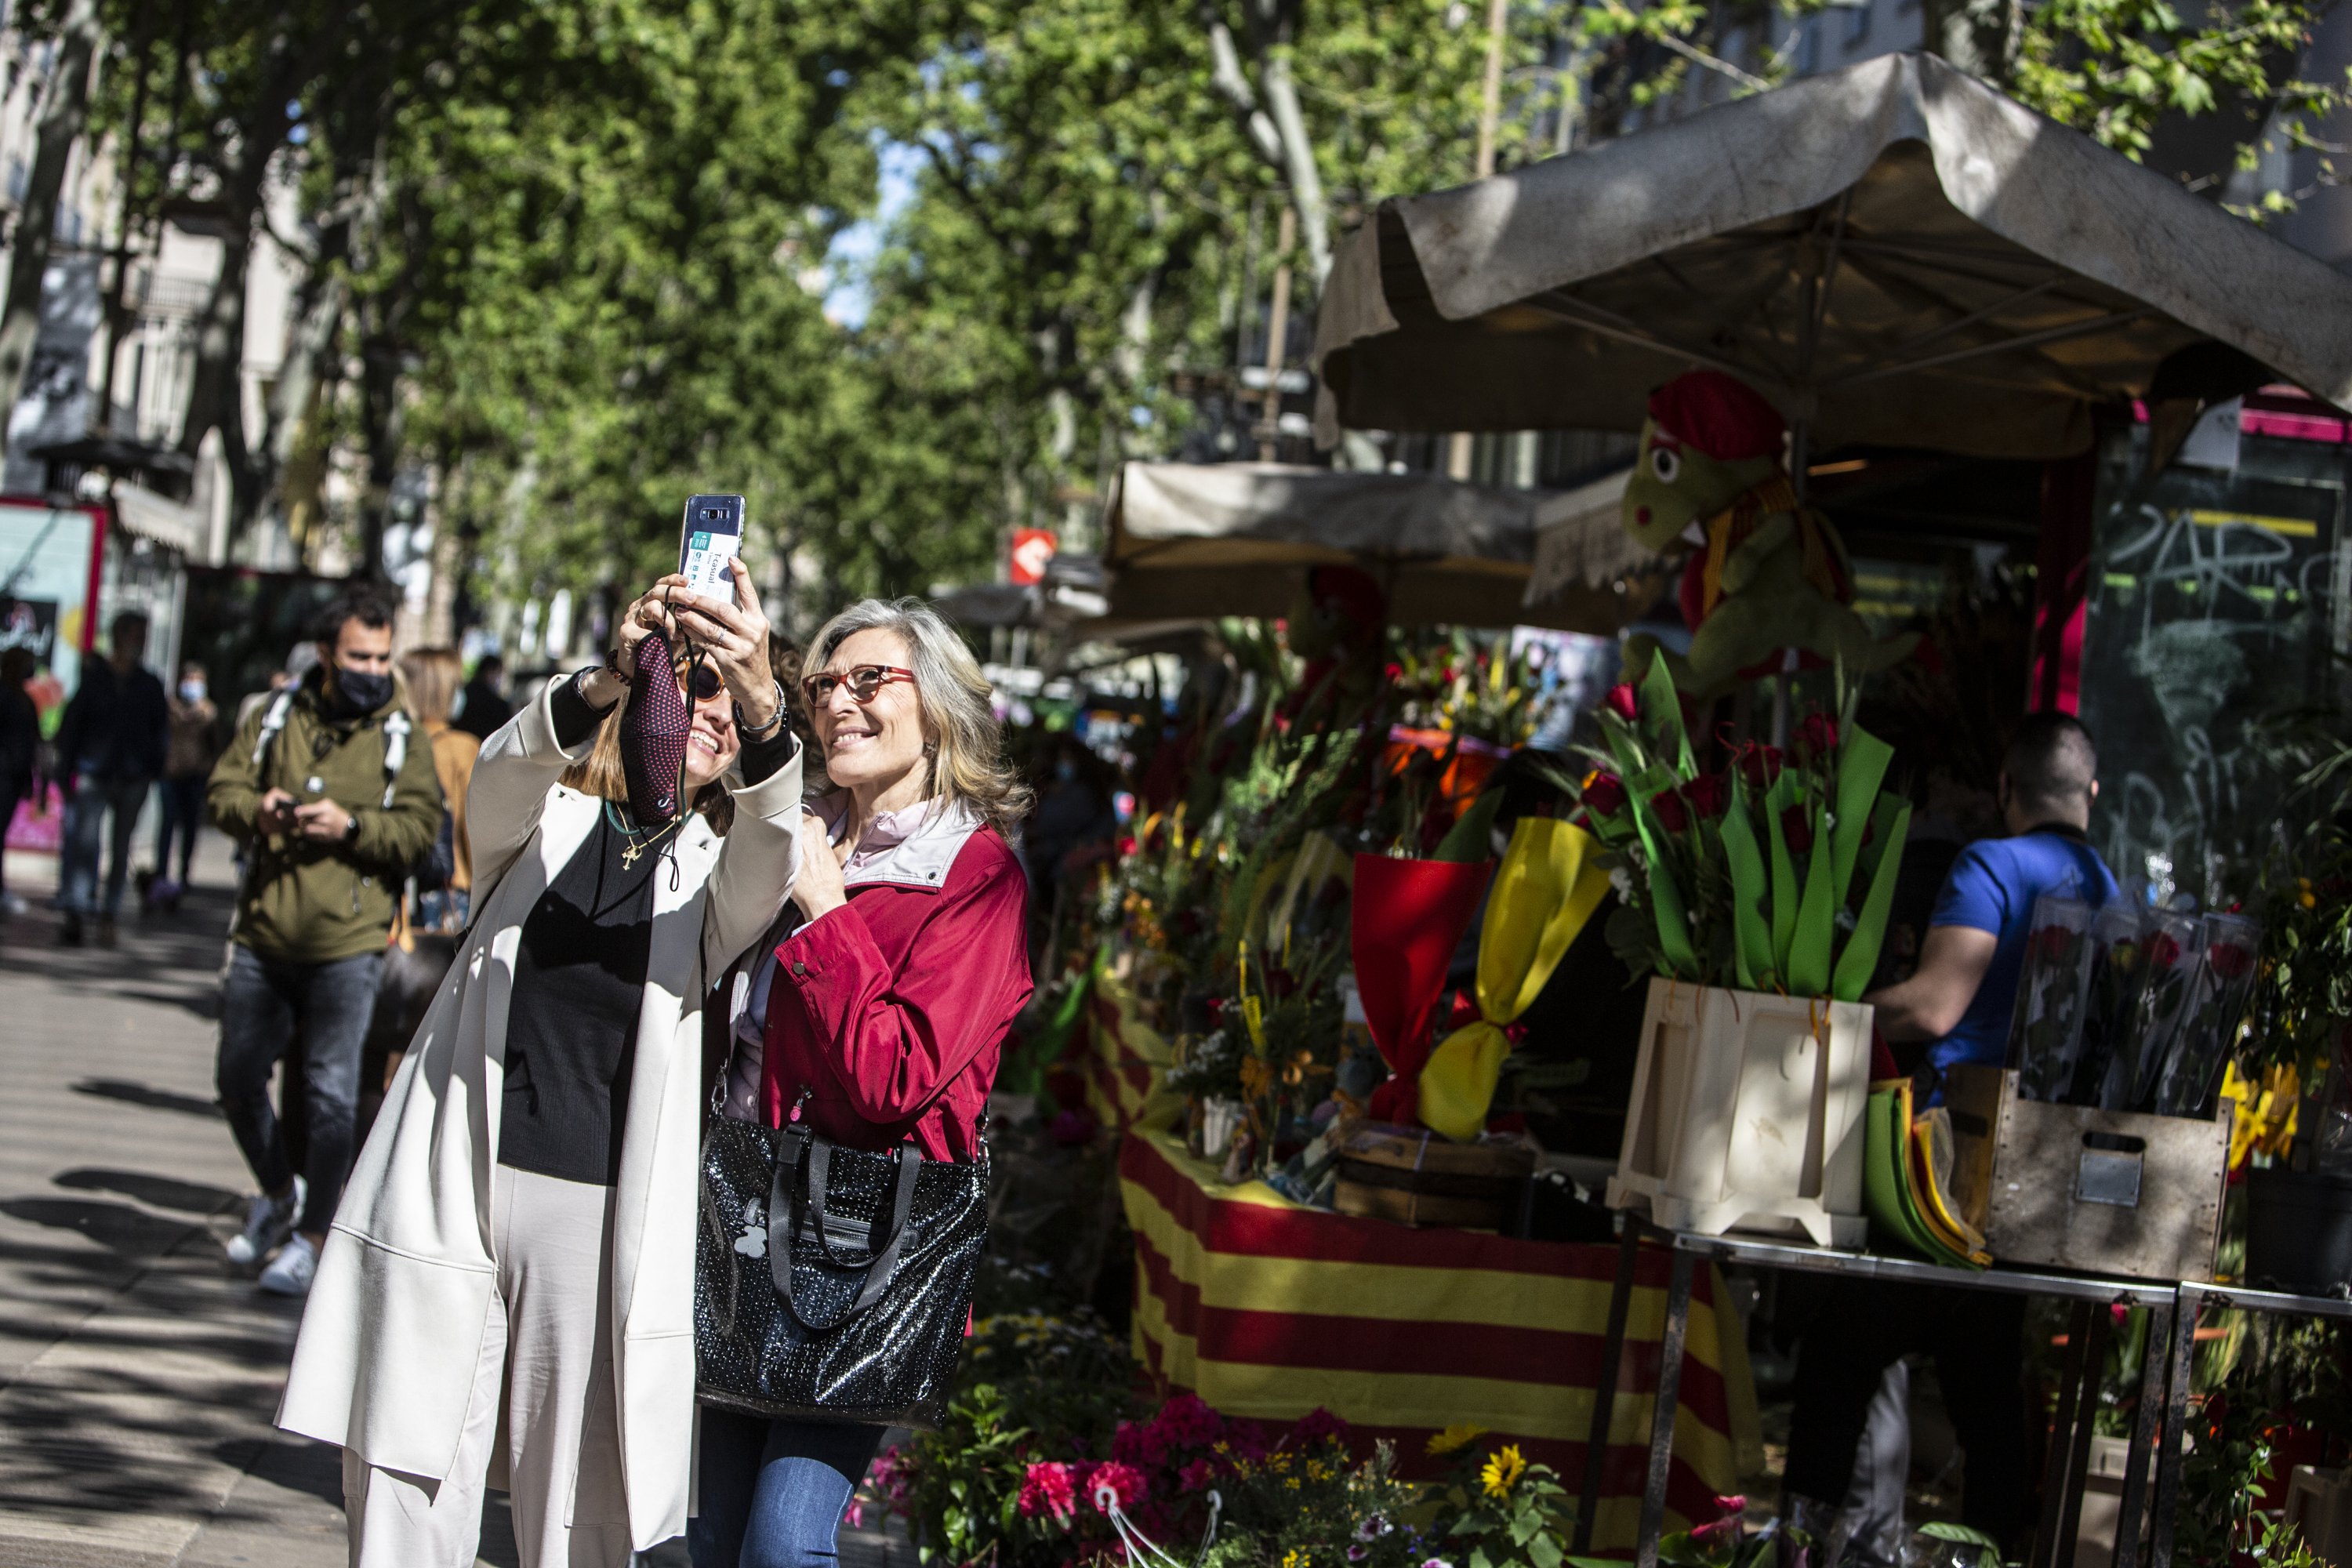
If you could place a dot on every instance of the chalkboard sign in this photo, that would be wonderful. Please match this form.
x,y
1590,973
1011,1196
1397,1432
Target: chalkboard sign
x,y
2216,599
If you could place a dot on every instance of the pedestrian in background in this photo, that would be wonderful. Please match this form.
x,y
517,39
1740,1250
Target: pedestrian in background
x,y
187,765
20,744
485,709
111,749
431,675
335,804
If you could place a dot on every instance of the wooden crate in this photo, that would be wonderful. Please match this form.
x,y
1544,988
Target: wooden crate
x,y
1747,1114
1416,1177
2067,1187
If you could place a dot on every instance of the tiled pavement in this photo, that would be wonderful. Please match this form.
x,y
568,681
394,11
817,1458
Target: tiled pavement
x,y
138,1373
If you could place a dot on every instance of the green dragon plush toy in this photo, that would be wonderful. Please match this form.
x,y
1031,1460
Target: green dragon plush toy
x,y
1764,575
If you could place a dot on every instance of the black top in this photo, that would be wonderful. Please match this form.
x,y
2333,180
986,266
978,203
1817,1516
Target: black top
x,y
483,713
579,978
117,726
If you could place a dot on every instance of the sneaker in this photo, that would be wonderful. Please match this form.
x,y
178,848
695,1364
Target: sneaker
x,y
13,906
69,931
291,1272
267,1223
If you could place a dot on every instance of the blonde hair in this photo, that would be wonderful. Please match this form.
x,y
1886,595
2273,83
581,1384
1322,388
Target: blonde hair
x,y
965,751
434,675
600,773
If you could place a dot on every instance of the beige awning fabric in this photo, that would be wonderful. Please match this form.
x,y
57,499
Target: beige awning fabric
x,y
1894,253
1235,539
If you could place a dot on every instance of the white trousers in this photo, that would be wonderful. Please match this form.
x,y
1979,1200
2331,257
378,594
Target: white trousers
x,y
543,1420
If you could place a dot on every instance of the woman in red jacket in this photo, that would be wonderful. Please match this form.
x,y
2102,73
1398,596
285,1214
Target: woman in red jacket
x,y
880,1018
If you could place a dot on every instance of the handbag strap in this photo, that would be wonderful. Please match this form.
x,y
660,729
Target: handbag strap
x,y
784,1218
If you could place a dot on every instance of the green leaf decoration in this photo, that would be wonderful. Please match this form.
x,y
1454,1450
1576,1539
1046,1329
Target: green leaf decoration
x,y
1778,799
1862,764
1860,958
1472,837
1808,952
1665,898
1753,936
1662,709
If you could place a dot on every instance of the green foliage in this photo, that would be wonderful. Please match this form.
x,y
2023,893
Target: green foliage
x,y
1503,1511
1031,1385
2305,989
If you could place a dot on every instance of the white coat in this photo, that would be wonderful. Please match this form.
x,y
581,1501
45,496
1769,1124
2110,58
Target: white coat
x,y
386,1362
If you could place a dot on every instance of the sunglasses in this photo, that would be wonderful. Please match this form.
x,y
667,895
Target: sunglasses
x,y
702,679
864,682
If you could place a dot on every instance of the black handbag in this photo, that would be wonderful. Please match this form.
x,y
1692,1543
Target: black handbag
x,y
832,1284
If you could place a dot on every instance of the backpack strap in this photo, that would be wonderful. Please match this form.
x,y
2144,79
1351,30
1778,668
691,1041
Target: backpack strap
x,y
273,720
395,752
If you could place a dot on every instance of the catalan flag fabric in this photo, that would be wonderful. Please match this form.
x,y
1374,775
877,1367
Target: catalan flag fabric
x,y
1125,1065
1266,1309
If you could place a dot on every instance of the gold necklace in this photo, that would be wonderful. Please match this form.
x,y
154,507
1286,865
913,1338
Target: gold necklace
x,y
635,841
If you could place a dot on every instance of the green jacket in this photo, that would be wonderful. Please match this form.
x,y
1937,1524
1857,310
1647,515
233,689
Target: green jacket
x,y
308,902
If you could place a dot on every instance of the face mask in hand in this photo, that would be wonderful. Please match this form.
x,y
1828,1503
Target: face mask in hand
x,y
359,691
654,731
192,691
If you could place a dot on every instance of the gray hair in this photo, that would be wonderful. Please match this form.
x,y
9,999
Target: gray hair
x,y
964,745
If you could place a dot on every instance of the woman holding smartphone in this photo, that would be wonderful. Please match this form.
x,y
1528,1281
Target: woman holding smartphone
x,y
881,1018
507,1297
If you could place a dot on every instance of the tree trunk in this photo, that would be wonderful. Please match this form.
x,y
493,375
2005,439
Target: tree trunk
x,y
380,427
64,108
1980,36
216,386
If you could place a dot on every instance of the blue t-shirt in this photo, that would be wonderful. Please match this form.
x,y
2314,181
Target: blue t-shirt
x,y
1992,888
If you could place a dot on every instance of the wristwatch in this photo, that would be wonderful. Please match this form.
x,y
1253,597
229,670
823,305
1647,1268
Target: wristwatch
x,y
762,732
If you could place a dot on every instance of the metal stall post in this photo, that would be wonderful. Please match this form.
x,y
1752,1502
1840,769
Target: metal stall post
x,y
1605,1393
1661,1415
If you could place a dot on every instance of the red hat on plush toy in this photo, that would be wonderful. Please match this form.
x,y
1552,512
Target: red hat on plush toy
x,y
1720,414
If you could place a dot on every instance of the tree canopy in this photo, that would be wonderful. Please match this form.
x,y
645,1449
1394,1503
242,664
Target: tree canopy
x,y
572,260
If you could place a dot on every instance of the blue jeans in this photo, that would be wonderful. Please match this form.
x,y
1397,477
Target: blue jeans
x,y
86,835
264,1002
773,1491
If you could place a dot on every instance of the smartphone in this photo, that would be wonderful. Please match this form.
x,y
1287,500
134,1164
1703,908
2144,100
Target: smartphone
x,y
712,536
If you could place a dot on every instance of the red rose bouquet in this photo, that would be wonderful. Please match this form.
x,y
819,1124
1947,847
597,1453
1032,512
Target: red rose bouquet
x,y
2221,994
2047,1034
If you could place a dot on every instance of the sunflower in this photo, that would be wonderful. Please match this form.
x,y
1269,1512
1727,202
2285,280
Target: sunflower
x,y
1503,1470
1454,1437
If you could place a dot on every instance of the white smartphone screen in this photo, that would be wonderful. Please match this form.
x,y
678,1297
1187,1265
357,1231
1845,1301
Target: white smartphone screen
x,y
712,536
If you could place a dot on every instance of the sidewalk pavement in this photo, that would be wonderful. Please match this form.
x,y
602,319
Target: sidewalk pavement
x,y
138,1373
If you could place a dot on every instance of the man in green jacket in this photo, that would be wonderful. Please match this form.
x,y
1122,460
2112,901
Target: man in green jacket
x,y
333,803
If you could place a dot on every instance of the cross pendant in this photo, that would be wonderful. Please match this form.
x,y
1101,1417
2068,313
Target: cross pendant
x,y
629,854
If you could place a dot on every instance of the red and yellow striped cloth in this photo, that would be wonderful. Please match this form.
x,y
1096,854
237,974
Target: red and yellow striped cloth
x,y
1267,1310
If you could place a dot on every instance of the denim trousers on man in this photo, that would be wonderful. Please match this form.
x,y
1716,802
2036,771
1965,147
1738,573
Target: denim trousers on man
x,y
182,814
772,1492
265,1004
86,835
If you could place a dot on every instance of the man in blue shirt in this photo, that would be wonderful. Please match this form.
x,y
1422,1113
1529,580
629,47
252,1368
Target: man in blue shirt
x,y
1957,1003
1960,997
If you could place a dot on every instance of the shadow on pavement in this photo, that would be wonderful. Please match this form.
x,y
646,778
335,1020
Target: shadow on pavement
x,y
129,1232
132,1093
155,1192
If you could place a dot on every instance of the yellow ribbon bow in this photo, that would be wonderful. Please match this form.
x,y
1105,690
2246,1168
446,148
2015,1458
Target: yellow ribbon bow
x,y
1547,887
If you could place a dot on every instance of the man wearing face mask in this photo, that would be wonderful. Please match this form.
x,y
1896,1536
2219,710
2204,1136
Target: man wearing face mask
x,y
335,800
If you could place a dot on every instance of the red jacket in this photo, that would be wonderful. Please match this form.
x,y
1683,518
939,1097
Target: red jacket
x,y
890,1011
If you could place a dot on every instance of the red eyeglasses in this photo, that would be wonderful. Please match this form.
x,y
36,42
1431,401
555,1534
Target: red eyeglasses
x,y
864,682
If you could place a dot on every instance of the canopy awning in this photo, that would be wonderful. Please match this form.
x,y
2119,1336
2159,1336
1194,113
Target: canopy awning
x,y
1894,253
1234,539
